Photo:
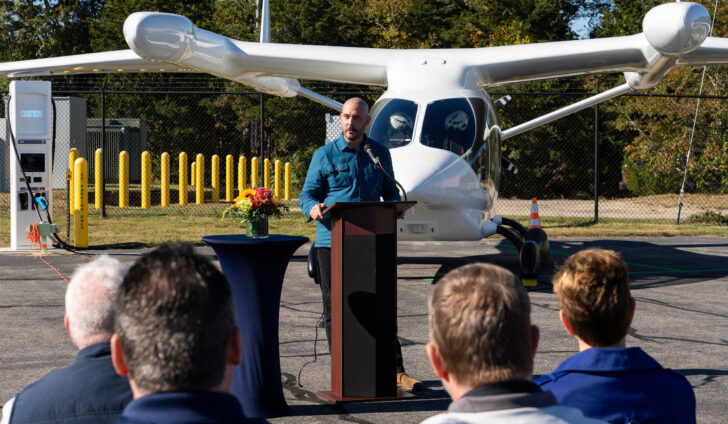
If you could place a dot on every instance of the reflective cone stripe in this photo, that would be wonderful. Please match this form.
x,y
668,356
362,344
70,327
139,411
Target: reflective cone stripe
x,y
534,222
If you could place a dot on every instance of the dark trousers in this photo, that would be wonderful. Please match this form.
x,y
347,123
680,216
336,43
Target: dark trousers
x,y
323,260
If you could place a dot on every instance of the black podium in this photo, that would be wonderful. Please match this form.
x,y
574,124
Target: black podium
x,y
255,267
363,300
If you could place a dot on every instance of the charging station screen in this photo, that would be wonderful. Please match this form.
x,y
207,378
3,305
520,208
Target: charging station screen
x,y
32,162
32,112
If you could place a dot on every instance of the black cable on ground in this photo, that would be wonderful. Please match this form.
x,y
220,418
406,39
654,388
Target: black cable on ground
x,y
315,341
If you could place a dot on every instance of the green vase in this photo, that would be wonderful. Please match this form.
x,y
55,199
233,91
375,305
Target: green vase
x,y
257,227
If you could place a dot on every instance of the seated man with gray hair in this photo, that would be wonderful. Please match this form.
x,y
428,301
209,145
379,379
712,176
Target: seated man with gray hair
x,y
89,391
482,346
176,339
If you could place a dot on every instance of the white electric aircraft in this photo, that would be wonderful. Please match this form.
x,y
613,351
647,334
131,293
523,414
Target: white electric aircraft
x,y
440,125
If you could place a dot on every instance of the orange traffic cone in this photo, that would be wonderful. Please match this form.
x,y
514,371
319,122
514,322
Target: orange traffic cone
x,y
534,222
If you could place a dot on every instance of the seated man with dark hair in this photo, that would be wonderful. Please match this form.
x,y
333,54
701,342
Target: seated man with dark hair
x,y
89,391
176,340
607,380
482,346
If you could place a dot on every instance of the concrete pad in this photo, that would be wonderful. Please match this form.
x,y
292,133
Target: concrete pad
x,y
679,284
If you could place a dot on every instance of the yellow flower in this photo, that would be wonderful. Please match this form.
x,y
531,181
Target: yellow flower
x,y
246,194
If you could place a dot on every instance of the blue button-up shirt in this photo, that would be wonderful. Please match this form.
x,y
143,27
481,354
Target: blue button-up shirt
x,y
339,173
621,385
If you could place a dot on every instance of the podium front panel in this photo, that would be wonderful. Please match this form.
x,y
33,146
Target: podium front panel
x,y
364,301
369,316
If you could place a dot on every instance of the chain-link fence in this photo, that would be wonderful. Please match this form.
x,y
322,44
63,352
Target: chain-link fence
x,y
555,163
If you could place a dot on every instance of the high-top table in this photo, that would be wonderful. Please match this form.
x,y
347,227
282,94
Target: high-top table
x,y
255,267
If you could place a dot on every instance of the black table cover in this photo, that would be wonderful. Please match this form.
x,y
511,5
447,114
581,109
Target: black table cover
x,y
255,267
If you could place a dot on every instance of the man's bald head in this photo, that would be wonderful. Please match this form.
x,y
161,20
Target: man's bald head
x,y
354,118
357,102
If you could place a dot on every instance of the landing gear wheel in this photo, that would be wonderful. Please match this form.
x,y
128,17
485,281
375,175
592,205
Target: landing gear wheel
x,y
534,253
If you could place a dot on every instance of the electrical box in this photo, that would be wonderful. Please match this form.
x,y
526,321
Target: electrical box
x,y
29,114
122,134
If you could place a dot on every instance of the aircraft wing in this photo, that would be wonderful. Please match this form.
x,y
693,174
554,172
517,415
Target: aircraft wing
x,y
528,62
106,62
714,51
126,61
674,34
174,39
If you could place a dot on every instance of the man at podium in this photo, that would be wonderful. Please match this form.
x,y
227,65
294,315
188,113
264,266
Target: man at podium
x,y
341,171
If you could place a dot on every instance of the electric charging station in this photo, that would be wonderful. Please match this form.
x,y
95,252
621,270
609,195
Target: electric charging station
x,y
29,113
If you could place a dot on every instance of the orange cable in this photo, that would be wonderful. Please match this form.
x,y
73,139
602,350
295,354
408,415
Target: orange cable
x,y
54,269
34,237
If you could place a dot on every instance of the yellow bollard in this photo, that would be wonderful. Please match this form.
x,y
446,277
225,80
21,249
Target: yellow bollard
x,y
72,156
123,179
277,179
183,178
146,180
98,178
229,171
165,180
200,179
287,178
80,192
266,173
193,174
254,172
215,178
242,174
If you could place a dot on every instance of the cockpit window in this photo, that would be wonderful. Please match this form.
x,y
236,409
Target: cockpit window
x,y
451,124
394,123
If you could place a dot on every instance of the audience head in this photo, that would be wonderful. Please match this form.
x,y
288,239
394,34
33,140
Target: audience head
x,y
593,291
480,327
175,326
90,301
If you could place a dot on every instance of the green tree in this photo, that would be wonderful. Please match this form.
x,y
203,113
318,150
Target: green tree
x,y
655,132
32,29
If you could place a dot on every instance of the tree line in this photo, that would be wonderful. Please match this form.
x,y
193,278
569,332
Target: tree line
x,y
647,137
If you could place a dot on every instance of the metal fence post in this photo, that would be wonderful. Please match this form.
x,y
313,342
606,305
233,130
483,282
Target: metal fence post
x,y
103,147
262,132
596,159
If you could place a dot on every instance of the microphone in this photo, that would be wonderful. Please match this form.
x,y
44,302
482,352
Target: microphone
x,y
375,159
368,149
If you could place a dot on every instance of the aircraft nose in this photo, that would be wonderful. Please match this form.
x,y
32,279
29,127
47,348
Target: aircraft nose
x,y
419,181
437,178
158,36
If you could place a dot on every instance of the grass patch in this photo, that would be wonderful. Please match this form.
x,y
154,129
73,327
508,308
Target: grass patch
x,y
118,232
709,217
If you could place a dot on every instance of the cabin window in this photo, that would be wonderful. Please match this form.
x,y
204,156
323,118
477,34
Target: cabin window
x,y
451,124
394,122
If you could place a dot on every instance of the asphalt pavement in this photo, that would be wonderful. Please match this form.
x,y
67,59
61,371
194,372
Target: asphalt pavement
x,y
680,284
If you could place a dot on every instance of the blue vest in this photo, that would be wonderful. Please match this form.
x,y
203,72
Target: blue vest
x,y
89,391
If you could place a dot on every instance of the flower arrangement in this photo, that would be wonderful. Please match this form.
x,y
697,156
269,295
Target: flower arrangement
x,y
253,204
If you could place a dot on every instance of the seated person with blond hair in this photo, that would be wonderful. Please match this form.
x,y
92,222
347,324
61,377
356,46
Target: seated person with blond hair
x,y
605,379
482,346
